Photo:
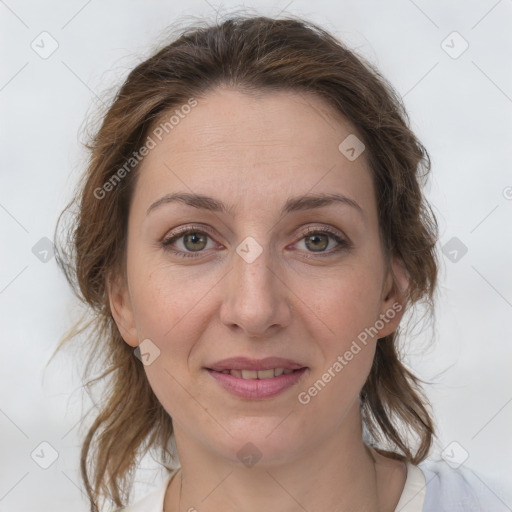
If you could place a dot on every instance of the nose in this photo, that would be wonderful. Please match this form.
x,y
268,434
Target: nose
x,y
256,299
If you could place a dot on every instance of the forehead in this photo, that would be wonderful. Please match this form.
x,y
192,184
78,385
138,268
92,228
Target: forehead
x,y
254,149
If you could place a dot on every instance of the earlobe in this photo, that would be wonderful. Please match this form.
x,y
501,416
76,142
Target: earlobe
x,y
395,298
122,311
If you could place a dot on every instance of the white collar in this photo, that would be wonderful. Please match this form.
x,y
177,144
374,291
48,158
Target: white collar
x,y
413,495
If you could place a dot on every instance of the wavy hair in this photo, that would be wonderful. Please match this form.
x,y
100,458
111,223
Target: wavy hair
x,y
250,53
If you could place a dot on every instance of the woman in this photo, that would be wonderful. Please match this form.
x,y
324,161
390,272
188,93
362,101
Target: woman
x,y
250,232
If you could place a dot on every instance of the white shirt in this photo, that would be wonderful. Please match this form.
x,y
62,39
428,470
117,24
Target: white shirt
x,y
429,487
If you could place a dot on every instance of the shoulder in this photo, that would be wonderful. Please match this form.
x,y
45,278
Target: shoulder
x,y
459,490
153,501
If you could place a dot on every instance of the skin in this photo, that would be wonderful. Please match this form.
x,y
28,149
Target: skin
x,y
253,153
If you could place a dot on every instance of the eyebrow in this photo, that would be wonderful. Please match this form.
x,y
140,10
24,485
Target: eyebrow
x,y
294,204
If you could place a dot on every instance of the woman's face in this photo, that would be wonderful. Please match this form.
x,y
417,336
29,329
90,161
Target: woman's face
x,y
249,281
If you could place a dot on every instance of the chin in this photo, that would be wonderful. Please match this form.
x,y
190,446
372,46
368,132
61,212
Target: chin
x,y
259,441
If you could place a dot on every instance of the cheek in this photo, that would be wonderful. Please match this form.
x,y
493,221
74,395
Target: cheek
x,y
170,312
346,302
167,300
348,307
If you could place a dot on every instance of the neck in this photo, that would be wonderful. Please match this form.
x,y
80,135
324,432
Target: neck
x,y
339,474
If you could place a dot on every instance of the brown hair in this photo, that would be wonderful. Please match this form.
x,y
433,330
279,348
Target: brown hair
x,y
251,53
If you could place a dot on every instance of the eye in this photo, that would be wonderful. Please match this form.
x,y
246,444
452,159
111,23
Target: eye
x,y
317,241
194,240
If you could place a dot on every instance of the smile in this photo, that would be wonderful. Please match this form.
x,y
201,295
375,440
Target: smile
x,y
261,374
252,384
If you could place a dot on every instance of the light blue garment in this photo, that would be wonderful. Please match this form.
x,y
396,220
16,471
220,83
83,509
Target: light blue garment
x,y
461,490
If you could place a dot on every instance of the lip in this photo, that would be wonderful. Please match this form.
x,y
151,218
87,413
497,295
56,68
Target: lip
x,y
245,363
257,388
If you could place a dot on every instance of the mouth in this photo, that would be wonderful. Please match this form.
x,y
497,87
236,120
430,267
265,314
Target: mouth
x,y
247,365
257,384
258,374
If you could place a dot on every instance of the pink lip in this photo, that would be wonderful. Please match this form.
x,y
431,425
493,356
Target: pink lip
x,y
244,363
257,388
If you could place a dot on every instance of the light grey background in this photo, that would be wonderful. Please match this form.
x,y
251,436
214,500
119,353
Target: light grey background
x,y
459,107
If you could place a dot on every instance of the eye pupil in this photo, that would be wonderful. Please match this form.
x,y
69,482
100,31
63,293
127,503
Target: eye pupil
x,y
316,237
194,237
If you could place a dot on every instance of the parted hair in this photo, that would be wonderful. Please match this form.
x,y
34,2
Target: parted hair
x,y
253,54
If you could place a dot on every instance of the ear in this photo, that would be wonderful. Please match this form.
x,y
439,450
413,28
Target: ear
x,y
394,298
122,309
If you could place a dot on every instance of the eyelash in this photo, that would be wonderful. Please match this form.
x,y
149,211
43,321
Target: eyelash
x,y
342,243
